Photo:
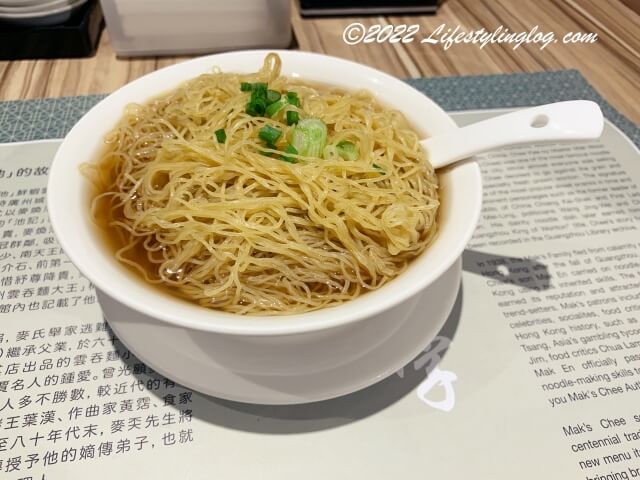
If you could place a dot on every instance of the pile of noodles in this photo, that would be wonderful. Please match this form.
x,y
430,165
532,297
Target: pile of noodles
x,y
232,228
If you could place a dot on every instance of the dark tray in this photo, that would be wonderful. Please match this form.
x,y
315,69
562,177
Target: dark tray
x,y
76,37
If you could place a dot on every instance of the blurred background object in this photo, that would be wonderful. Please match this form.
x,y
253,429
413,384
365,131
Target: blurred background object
x,y
165,27
31,29
38,12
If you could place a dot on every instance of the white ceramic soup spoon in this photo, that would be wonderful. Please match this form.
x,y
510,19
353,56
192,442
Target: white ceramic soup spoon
x,y
573,120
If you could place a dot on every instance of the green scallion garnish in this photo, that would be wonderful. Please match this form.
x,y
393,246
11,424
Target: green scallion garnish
x,y
245,86
309,137
347,150
221,135
269,135
258,100
256,108
275,107
292,98
293,117
290,149
272,96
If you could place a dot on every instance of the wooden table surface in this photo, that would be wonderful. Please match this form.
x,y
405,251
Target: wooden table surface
x,y
611,65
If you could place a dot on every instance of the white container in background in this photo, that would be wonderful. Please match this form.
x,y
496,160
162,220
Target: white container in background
x,y
170,27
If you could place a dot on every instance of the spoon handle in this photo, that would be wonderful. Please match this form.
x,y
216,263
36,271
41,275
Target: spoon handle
x,y
573,120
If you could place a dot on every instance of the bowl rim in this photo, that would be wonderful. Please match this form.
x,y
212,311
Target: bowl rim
x,y
57,8
43,7
217,321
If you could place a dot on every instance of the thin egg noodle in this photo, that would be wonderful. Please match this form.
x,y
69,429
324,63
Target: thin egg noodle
x,y
233,226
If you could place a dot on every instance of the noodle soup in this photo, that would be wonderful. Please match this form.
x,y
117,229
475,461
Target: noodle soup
x,y
261,194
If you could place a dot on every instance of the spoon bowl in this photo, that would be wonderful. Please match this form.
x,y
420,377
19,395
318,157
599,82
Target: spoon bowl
x,y
561,121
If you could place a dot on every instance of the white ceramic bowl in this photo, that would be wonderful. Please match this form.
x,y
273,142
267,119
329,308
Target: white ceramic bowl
x,y
187,335
21,3
39,8
53,13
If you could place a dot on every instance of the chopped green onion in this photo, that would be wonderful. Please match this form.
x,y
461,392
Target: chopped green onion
x,y
259,95
221,135
292,117
267,102
251,87
290,149
309,137
256,109
275,107
258,100
272,96
347,150
269,135
292,98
